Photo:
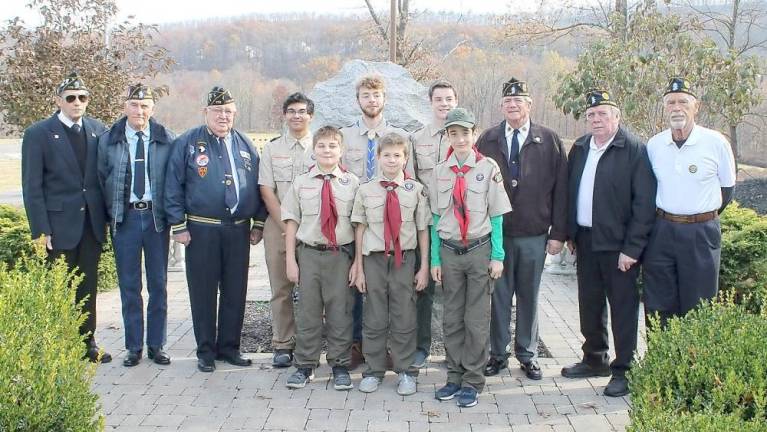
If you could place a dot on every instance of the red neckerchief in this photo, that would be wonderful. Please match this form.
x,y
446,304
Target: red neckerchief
x,y
459,195
328,212
392,220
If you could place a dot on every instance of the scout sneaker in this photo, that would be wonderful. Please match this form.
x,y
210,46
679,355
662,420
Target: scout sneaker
x,y
299,378
341,378
406,385
449,391
369,384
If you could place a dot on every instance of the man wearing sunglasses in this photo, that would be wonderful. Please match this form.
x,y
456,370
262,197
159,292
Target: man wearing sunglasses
x,y
62,196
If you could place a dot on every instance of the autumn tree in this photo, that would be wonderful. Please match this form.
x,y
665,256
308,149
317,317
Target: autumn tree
x,y
636,69
77,35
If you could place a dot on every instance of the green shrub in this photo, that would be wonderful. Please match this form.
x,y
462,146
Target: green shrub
x,y
44,380
16,242
710,364
743,271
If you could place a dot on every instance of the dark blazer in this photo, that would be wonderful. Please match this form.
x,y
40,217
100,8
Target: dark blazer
x,y
623,207
539,201
55,191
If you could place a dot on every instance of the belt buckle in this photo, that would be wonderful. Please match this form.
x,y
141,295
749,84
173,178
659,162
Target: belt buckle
x,y
140,205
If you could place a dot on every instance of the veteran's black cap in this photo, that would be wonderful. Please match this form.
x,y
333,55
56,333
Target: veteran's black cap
x,y
599,97
219,96
679,85
515,87
71,82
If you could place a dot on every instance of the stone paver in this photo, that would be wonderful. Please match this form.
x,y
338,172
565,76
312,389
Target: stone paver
x,y
177,397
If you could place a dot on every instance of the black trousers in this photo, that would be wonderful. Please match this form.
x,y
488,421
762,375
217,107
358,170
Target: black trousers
x,y
85,259
217,276
601,282
681,266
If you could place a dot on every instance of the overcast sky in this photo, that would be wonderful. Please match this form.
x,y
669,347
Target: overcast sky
x,y
162,11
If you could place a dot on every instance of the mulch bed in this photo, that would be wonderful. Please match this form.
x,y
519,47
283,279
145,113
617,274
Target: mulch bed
x,y
752,193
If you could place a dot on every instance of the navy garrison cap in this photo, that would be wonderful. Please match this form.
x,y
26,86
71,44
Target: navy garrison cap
x,y
599,97
71,82
679,85
219,96
515,87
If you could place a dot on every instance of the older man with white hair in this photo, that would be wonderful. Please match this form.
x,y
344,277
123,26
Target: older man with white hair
x,y
611,214
695,169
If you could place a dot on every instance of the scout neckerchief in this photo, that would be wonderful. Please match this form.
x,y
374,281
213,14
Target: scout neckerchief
x,y
392,220
328,212
459,194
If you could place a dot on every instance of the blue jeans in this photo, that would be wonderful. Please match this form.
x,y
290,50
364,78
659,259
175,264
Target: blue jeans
x,y
136,233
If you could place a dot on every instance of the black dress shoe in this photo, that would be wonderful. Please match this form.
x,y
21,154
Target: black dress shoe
x,y
532,370
494,366
235,359
94,355
206,365
132,358
158,355
585,370
618,386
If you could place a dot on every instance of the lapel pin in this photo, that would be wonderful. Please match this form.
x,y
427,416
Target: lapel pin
x,y
537,139
55,136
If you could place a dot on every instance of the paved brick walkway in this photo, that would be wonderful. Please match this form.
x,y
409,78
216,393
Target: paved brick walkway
x,y
149,397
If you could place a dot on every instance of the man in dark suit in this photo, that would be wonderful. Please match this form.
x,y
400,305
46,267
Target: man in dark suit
x,y
611,214
62,196
534,168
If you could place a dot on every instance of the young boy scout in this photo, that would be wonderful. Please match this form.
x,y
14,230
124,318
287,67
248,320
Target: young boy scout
x,y
317,210
388,211
283,159
468,201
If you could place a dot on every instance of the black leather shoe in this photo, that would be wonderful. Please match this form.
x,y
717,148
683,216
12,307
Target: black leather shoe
x,y
282,358
585,370
206,365
94,355
235,359
132,358
494,366
158,355
617,387
532,370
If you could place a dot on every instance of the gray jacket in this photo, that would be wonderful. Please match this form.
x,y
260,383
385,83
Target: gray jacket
x,y
113,168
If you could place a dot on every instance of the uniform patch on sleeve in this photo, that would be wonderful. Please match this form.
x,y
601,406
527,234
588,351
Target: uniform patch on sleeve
x,y
409,186
498,178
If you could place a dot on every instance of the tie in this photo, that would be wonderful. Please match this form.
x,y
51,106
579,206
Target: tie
x,y
76,128
231,193
138,167
514,155
459,205
328,212
371,160
392,221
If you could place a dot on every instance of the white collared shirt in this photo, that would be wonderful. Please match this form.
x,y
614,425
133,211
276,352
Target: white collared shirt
x,y
584,209
67,121
522,136
690,178
130,135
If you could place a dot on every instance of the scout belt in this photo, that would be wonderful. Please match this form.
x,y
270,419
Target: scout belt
x,y
687,219
214,221
459,249
347,248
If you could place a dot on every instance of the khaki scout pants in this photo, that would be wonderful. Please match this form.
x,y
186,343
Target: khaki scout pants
x,y
389,311
467,289
283,324
323,286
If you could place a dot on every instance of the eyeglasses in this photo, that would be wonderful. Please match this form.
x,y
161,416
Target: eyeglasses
x,y
71,98
292,112
223,112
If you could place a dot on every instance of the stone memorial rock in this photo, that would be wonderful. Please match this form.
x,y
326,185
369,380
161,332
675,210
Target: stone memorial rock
x,y
335,100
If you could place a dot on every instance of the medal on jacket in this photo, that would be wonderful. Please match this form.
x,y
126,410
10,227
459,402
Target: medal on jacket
x,y
202,171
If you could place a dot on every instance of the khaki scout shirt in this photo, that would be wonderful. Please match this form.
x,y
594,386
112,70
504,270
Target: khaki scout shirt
x,y
302,204
369,209
356,146
430,144
485,197
283,159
